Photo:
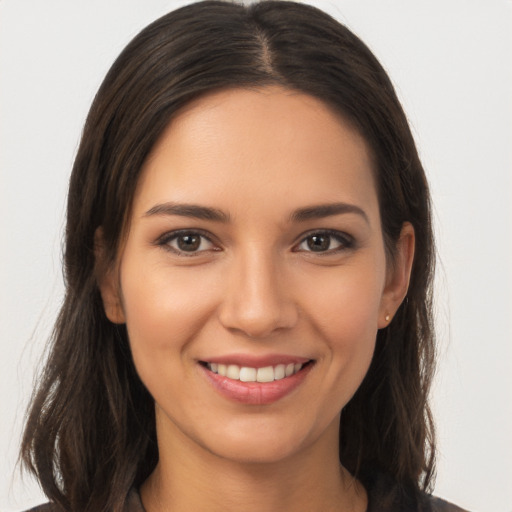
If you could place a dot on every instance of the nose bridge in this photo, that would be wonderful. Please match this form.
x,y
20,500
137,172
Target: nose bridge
x,y
256,299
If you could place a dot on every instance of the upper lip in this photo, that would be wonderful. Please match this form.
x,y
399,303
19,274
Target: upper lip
x,y
252,361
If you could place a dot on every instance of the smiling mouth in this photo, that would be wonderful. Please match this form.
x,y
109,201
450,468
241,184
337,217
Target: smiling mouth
x,y
250,374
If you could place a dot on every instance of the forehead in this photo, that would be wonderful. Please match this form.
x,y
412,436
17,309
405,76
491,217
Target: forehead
x,y
238,148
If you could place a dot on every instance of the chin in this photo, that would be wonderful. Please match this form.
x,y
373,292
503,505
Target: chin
x,y
267,442
256,450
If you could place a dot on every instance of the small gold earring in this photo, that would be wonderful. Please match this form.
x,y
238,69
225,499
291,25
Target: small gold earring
x,y
388,318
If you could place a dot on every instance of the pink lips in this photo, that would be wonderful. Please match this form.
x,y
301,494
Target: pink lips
x,y
256,393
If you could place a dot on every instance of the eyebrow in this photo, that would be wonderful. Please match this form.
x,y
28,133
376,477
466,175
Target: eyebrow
x,y
214,214
188,210
326,210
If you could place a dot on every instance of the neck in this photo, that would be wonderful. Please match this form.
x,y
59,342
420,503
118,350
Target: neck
x,y
188,477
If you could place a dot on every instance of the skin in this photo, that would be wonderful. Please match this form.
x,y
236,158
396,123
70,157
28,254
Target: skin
x,y
255,287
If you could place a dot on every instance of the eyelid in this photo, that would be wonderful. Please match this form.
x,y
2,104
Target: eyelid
x,y
164,240
347,241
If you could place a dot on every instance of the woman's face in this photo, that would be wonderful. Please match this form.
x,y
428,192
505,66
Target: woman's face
x,y
253,279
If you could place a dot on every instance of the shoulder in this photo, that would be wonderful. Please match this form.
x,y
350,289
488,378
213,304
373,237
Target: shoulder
x,y
439,505
133,504
430,504
384,495
47,507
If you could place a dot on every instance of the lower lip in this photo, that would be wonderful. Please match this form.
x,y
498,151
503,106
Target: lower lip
x,y
256,393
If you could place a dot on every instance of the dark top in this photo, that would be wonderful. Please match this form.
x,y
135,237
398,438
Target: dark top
x,y
383,496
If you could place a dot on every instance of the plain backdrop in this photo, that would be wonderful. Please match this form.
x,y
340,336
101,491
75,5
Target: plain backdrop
x,y
451,63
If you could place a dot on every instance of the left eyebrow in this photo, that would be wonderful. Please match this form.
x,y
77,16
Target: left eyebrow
x,y
321,211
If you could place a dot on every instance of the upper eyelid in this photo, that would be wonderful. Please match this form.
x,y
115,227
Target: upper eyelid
x,y
332,232
170,235
342,237
164,240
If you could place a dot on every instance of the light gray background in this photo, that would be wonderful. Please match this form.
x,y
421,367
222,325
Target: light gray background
x,y
450,61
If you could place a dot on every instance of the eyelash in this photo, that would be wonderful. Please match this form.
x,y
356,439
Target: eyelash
x,y
165,241
345,240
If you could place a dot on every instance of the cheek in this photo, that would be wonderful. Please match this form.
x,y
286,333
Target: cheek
x,y
346,304
164,310
345,313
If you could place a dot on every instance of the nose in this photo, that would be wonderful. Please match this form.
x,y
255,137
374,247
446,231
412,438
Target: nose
x,y
257,300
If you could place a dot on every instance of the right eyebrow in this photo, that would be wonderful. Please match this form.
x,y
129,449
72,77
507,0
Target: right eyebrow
x,y
188,210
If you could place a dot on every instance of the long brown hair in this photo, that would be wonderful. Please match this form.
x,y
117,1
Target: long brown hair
x,y
90,433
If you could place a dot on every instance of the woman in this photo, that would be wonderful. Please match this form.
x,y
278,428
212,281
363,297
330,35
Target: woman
x,y
249,259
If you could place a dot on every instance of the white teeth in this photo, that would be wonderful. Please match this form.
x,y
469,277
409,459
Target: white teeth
x,y
247,374
233,372
265,374
279,372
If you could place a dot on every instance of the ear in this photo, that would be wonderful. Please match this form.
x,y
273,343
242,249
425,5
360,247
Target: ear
x,y
108,281
398,276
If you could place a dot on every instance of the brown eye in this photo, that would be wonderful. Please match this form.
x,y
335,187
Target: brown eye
x,y
318,243
326,242
188,242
